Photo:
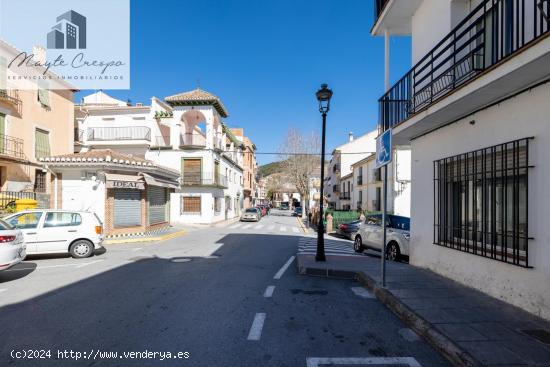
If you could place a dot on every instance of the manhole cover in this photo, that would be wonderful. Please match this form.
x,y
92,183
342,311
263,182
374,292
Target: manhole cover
x,y
180,260
541,335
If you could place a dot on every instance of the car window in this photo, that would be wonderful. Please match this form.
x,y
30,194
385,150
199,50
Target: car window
x,y
401,223
25,220
374,220
251,210
62,219
5,226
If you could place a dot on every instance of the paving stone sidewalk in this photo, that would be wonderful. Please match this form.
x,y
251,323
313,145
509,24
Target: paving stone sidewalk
x,y
469,327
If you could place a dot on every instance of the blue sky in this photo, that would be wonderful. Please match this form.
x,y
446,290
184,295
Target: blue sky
x,y
265,60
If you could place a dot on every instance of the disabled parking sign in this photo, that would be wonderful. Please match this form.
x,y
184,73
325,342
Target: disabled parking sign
x,y
384,149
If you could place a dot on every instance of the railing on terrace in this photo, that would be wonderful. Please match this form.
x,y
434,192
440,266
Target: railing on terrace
x,y
161,141
492,32
192,140
12,147
119,133
8,198
203,179
379,6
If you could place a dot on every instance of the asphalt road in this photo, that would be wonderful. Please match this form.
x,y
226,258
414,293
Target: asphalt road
x,y
218,296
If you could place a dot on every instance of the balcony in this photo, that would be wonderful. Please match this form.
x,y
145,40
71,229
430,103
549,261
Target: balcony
x,y
192,140
345,196
491,34
126,133
11,97
11,148
336,188
203,179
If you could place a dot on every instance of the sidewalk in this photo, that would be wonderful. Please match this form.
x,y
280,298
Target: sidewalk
x,y
161,235
465,325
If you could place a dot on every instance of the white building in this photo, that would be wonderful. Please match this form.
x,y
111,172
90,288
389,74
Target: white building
x,y
186,133
474,109
353,182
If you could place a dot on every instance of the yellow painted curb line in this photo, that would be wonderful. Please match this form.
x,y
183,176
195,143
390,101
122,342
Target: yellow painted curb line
x,y
301,225
145,239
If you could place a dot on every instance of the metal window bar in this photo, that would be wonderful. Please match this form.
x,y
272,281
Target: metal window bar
x,y
481,202
490,33
11,146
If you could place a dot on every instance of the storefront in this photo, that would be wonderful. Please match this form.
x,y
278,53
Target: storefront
x,y
130,197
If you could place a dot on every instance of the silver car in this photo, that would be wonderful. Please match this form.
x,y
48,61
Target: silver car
x,y
251,215
370,236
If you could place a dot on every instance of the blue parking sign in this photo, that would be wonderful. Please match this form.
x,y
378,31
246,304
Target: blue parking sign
x,y
383,149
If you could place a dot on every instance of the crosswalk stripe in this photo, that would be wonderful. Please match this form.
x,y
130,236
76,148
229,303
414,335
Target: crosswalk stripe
x,y
295,230
283,229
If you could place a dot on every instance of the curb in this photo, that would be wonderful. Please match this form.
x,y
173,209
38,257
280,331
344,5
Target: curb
x,y
144,239
450,350
302,226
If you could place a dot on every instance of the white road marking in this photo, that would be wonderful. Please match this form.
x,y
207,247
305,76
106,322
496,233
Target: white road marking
x,y
257,326
136,249
409,335
90,263
295,230
283,269
283,229
362,292
408,361
269,291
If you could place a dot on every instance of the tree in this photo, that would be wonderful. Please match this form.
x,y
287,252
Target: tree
x,y
300,160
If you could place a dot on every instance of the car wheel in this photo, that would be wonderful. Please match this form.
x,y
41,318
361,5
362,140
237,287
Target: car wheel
x,y
81,249
358,244
392,252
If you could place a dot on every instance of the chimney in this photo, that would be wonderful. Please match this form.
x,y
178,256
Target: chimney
x,y
39,53
350,136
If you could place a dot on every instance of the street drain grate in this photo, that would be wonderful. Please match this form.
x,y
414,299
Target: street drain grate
x,y
180,260
541,335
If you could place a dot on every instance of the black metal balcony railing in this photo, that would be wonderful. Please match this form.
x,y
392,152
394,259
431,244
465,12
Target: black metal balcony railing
x,y
203,179
119,133
11,96
345,196
379,6
492,32
335,188
11,146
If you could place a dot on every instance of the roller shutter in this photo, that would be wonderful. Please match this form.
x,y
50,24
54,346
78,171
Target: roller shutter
x,y
158,200
127,211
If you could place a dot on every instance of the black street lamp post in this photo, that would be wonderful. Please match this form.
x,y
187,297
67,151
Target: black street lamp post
x,y
323,96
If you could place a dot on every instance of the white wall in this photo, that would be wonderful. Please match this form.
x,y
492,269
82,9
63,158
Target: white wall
x,y
79,193
523,116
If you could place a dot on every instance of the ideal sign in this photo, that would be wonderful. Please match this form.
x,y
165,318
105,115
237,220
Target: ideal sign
x,y
136,185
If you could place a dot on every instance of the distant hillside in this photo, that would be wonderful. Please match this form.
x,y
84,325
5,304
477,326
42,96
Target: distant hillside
x,y
270,168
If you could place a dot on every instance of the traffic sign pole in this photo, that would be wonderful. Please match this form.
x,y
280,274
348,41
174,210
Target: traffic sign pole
x,y
384,156
384,220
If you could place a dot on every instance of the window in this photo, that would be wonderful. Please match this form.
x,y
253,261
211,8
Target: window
x,y
62,219
480,202
26,220
374,220
190,205
43,94
40,181
360,176
218,204
191,171
360,196
41,143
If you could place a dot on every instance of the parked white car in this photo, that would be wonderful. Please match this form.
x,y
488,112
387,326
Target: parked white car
x,y
50,231
370,236
12,246
251,215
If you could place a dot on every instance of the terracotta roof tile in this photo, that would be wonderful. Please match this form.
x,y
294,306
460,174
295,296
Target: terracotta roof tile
x,y
197,97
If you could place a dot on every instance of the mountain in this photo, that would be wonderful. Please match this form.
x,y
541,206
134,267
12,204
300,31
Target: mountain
x,y
270,168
